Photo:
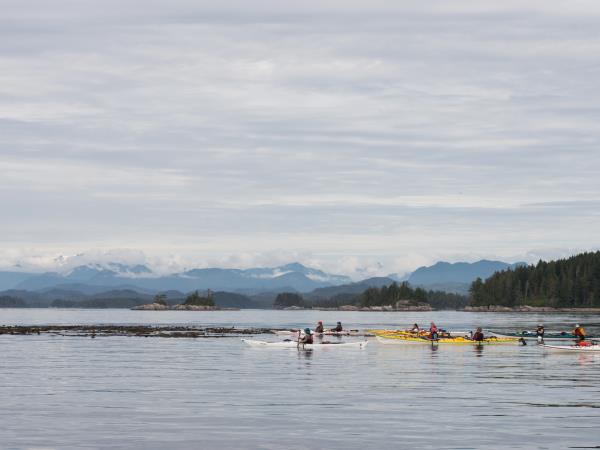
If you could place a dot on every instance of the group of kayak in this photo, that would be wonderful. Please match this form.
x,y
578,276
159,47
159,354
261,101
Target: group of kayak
x,y
578,334
437,335
305,338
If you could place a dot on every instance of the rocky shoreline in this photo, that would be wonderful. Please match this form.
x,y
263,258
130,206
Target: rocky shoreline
x,y
388,308
529,309
133,330
182,307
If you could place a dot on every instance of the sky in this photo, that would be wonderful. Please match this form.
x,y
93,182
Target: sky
x,y
358,137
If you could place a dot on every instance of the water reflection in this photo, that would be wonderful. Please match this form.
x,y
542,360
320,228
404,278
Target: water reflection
x,y
305,354
151,394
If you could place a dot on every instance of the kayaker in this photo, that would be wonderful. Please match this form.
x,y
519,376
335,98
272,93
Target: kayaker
x,y
415,329
319,328
539,332
478,335
579,332
306,338
338,327
433,331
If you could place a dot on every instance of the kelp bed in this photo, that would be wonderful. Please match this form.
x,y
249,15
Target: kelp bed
x,y
132,330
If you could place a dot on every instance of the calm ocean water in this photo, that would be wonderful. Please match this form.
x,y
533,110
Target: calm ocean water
x,y
155,393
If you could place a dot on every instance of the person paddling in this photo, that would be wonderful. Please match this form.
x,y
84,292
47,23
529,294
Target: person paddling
x,y
338,328
433,331
319,328
478,335
415,329
579,333
306,338
539,332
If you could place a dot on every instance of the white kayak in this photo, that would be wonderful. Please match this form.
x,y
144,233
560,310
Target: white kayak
x,y
325,333
573,348
294,344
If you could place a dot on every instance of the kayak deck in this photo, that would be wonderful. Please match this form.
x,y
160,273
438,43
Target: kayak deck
x,y
294,344
547,336
397,339
324,333
573,348
421,333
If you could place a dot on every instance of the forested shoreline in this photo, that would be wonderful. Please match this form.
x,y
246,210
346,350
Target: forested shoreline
x,y
565,283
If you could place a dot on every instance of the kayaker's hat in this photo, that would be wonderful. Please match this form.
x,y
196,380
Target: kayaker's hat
x,y
576,324
307,331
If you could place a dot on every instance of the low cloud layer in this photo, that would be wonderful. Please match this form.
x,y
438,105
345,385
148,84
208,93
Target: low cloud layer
x,y
353,136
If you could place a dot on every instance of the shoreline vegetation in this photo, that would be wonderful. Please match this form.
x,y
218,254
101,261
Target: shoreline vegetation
x,y
193,302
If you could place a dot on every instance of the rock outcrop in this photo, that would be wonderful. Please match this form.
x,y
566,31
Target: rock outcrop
x,y
151,307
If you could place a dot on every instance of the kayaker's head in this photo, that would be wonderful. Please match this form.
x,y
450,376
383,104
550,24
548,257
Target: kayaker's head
x,y
339,323
479,329
320,322
307,331
576,325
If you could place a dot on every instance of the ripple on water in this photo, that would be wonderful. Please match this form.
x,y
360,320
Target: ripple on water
x,y
144,393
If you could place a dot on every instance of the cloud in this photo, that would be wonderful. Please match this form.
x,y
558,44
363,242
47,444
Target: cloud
x,y
346,133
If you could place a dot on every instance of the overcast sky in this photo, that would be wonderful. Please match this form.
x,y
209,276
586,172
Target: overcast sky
x,y
374,136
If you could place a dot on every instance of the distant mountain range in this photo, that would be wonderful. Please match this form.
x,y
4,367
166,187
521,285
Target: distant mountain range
x,y
138,283
89,278
456,277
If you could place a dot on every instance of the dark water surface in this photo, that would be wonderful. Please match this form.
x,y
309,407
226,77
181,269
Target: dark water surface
x,y
157,393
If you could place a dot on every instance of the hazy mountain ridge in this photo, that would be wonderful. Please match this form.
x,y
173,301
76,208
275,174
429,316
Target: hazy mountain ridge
x,y
456,277
92,279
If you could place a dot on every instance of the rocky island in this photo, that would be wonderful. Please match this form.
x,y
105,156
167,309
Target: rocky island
x,y
193,302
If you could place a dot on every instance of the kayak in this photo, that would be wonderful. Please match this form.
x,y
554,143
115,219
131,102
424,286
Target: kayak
x,y
397,339
324,333
573,348
294,344
563,336
422,333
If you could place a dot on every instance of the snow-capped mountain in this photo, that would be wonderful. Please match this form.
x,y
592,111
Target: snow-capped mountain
x,y
295,277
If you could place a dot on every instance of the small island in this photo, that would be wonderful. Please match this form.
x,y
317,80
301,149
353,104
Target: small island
x,y
193,302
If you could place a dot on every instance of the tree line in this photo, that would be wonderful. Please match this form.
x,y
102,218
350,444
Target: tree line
x,y
383,296
571,282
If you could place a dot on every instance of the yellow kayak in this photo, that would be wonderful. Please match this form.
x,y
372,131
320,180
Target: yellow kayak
x,y
421,333
401,339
